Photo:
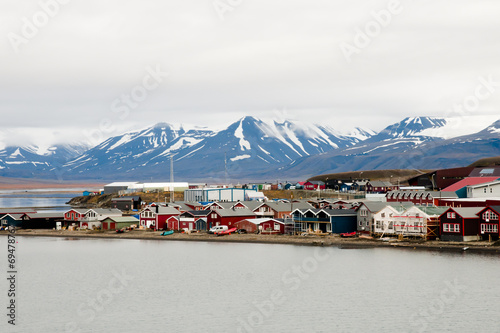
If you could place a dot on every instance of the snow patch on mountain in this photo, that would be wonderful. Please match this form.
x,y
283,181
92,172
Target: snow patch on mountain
x,y
240,157
459,126
15,154
238,133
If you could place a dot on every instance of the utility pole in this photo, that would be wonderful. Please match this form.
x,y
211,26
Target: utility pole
x,y
171,179
225,168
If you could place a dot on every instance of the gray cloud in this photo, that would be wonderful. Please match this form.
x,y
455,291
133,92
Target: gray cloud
x,y
264,56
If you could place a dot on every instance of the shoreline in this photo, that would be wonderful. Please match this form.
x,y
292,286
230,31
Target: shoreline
x,y
336,241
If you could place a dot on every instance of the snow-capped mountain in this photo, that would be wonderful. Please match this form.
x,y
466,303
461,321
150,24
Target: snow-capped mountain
x,y
34,161
247,143
135,150
252,148
411,127
399,148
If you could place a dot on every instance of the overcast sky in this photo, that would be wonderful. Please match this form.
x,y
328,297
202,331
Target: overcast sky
x,y
302,59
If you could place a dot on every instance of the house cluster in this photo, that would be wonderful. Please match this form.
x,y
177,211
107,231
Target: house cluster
x,y
323,216
466,209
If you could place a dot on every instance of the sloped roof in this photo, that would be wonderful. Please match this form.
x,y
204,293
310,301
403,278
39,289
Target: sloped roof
x,y
164,210
435,194
250,204
379,183
118,219
224,205
495,182
279,206
106,211
197,213
495,208
235,212
374,206
258,221
78,210
489,171
466,212
180,205
340,212
168,210
54,215
15,216
433,210
469,181
129,198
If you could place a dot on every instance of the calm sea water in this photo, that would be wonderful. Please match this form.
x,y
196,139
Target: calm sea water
x,y
71,285
42,201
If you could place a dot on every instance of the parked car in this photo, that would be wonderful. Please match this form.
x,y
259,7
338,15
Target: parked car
x,y
217,229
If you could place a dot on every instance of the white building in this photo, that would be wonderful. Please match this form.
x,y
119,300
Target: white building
x,y
386,220
94,216
486,190
216,194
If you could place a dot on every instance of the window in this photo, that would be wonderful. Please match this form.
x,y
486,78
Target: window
x,y
450,215
214,216
485,227
277,226
378,224
490,215
382,215
448,227
360,223
391,225
363,212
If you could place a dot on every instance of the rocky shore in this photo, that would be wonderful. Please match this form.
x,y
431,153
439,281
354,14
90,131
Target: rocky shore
x,y
311,240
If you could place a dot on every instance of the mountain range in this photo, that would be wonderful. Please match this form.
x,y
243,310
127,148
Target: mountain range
x,y
256,149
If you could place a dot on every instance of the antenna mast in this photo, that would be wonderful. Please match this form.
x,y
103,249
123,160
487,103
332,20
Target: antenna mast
x,y
171,179
225,168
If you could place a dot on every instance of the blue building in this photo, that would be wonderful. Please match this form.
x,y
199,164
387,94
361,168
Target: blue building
x,y
334,221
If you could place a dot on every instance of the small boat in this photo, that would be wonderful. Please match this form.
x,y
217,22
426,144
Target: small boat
x,y
120,231
226,232
166,233
348,234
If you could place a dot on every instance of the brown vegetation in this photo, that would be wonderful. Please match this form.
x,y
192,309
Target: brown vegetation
x,y
486,162
392,175
104,200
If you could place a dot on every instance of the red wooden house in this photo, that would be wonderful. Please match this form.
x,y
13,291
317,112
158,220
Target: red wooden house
x,y
192,220
314,185
278,210
419,197
157,217
263,225
75,215
378,186
488,222
228,217
460,224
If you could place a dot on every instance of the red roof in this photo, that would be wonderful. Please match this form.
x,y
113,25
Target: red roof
x,y
469,181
